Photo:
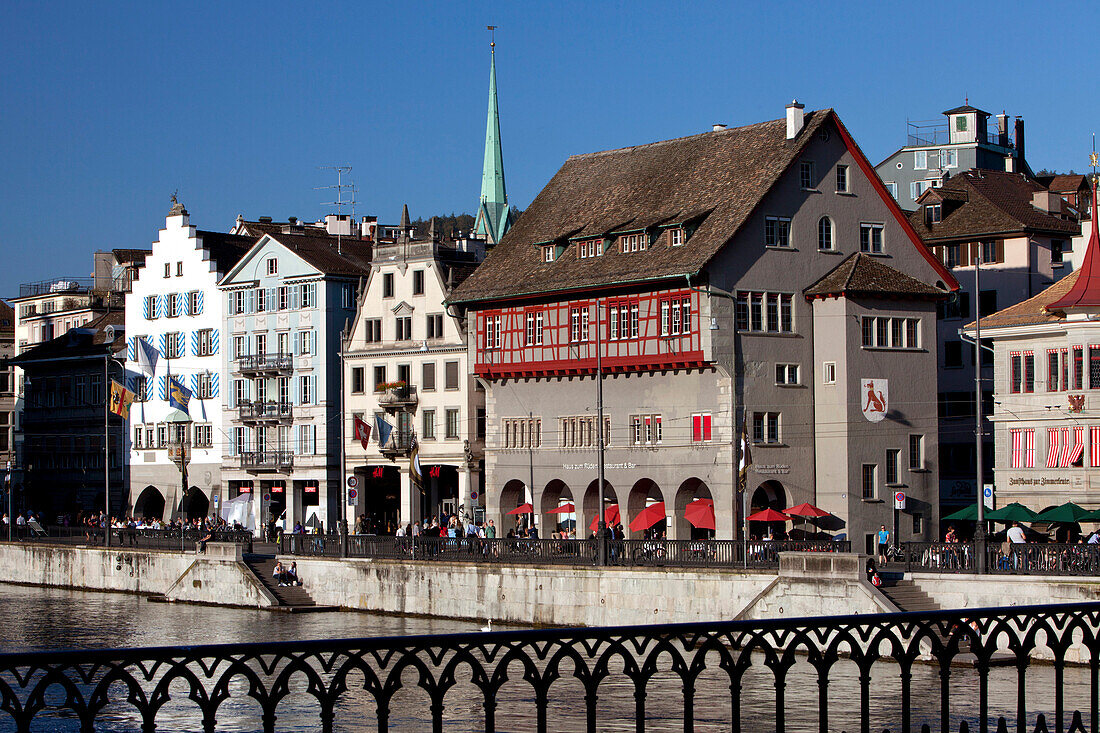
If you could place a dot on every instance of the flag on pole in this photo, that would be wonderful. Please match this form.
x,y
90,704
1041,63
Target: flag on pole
x,y
416,476
120,400
361,430
147,356
178,395
384,429
746,456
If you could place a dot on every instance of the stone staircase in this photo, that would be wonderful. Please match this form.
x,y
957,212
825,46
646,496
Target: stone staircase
x,y
292,598
907,595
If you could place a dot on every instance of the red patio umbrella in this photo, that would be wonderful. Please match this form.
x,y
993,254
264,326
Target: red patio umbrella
x,y
523,509
806,510
648,517
610,515
563,509
768,515
700,513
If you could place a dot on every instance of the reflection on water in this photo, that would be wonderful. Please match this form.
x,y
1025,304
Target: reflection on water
x,y
36,618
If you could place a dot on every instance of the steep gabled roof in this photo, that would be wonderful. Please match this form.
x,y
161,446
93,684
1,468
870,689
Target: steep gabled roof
x,y
1064,183
1033,310
353,257
995,203
965,108
863,275
225,249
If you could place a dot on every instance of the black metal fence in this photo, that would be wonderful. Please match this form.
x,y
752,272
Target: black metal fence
x,y
1001,558
140,539
816,673
658,553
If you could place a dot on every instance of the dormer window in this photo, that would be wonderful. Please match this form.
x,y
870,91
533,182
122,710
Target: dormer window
x,y
590,248
676,236
633,242
933,213
548,253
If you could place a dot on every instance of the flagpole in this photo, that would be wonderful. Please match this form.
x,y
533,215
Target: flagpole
x,y
106,446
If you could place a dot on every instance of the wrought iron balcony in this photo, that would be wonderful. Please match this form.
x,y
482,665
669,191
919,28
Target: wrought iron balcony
x,y
399,444
265,364
395,399
262,461
265,412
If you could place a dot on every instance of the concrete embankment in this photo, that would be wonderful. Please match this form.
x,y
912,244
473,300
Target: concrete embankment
x,y
217,578
807,584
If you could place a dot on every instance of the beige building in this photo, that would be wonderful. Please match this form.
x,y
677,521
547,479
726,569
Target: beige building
x,y
760,275
406,365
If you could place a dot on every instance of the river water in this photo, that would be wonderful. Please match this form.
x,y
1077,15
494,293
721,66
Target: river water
x,y
49,619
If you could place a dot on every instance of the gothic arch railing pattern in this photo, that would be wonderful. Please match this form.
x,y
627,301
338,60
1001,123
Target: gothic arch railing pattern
x,y
359,681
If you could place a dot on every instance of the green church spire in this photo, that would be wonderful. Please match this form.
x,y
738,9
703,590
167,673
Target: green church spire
x,y
493,216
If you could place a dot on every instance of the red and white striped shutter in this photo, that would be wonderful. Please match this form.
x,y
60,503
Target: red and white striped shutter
x,y
1029,451
1078,445
1052,442
1067,447
1016,436
1094,444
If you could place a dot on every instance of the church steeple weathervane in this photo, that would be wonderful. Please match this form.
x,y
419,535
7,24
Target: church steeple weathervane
x,y
493,217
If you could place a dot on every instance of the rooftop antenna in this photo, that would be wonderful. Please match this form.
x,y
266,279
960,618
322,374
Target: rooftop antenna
x,y
340,202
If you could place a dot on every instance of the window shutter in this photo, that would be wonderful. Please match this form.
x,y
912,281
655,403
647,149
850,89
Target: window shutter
x,y
696,428
145,308
194,343
214,341
1000,250
195,385
164,388
214,384
272,299
131,351
162,306
706,427
293,298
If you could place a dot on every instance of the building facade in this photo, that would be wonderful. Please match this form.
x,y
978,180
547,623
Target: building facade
x,y
732,278
9,459
1025,236
937,150
175,306
65,461
1046,392
287,302
406,364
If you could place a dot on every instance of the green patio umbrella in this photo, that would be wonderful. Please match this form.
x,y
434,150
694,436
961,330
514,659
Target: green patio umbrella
x,y
1014,512
1068,512
966,514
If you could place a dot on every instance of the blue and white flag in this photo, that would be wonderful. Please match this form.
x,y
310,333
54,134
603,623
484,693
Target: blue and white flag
x,y
147,356
383,431
178,395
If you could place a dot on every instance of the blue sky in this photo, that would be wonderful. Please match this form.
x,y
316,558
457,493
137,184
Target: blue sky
x,y
107,108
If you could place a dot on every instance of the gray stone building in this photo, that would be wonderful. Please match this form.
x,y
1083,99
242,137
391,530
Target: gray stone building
x,y
939,149
759,274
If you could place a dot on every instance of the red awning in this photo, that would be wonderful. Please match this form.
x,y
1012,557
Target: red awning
x,y
523,509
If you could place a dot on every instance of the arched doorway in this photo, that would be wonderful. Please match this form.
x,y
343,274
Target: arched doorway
x,y
149,504
591,501
768,495
642,494
556,494
195,505
689,491
512,495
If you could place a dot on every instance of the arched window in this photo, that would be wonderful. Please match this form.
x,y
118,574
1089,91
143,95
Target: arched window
x,y
825,234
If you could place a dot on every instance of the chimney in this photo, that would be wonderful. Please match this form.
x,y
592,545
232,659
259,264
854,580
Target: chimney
x,y
795,118
718,126
1020,141
1002,130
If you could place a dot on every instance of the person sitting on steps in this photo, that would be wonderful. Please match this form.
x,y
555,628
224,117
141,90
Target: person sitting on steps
x,y
280,573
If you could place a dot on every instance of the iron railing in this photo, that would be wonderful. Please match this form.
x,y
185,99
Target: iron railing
x,y
1001,558
661,553
248,411
890,672
270,460
139,539
265,363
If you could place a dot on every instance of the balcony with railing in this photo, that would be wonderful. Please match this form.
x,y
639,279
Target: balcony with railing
x,y
399,444
397,396
265,412
267,461
265,364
